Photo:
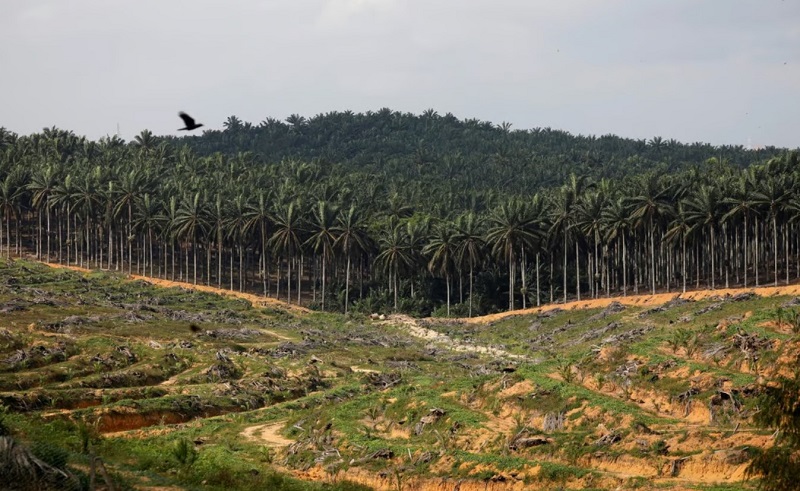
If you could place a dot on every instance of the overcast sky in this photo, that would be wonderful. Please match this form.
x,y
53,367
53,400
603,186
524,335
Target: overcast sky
x,y
723,71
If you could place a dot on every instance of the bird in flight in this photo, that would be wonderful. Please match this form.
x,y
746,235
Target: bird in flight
x,y
188,121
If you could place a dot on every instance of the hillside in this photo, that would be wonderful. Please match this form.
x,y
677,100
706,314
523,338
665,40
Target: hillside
x,y
173,387
410,149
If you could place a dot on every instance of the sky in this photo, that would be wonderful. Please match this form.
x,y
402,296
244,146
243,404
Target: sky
x,y
716,71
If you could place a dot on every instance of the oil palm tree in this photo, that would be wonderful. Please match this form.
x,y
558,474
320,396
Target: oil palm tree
x,y
702,209
322,227
286,240
351,241
149,217
743,205
191,223
773,195
650,202
509,233
469,245
259,216
12,190
395,256
442,252
43,182
617,226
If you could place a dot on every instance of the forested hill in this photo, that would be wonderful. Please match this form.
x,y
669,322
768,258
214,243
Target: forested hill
x,y
469,153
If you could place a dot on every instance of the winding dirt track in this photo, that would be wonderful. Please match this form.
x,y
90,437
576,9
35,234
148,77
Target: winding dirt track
x,y
267,434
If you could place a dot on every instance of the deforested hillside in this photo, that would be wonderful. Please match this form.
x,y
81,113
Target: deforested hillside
x,y
173,387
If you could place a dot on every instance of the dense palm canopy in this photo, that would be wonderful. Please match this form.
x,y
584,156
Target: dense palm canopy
x,y
389,210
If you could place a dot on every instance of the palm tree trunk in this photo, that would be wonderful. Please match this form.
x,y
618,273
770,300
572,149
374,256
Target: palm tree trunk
x,y
684,261
624,268
652,257
577,271
323,283
470,287
48,234
264,260
395,288
288,280
755,242
299,277
347,286
524,283
538,292
775,245
39,237
194,258
242,267
447,281
565,265
745,250
219,259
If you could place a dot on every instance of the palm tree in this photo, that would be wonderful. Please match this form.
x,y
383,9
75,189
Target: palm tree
x,y
351,241
680,227
259,216
469,245
132,185
649,204
617,226
396,255
743,204
191,223
149,217
509,232
323,236
703,210
42,185
236,226
12,189
286,239
589,221
774,194
64,195
561,225
218,218
442,251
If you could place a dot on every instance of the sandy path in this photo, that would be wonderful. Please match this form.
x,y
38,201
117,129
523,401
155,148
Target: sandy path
x,y
267,434
418,331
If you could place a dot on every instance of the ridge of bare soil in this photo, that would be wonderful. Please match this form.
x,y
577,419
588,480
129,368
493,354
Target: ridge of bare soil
x,y
641,300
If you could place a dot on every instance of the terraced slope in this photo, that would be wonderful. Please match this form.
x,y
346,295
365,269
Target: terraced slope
x,y
175,387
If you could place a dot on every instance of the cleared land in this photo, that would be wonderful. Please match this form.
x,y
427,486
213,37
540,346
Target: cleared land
x,y
655,393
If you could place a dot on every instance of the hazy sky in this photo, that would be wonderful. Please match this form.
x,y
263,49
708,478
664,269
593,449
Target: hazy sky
x,y
722,71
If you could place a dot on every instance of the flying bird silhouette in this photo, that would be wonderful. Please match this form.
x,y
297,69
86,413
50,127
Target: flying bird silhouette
x,y
188,121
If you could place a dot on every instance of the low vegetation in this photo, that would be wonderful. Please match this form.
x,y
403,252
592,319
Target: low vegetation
x,y
106,381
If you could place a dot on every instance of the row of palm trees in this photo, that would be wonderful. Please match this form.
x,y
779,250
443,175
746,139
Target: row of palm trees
x,y
309,234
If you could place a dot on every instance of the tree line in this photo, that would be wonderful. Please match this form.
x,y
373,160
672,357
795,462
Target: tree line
x,y
337,237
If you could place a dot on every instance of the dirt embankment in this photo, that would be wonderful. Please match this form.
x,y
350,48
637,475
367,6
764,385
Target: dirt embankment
x,y
256,300
641,300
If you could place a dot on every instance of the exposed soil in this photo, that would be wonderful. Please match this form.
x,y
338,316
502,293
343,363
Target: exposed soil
x,y
418,331
642,300
267,434
715,464
256,300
